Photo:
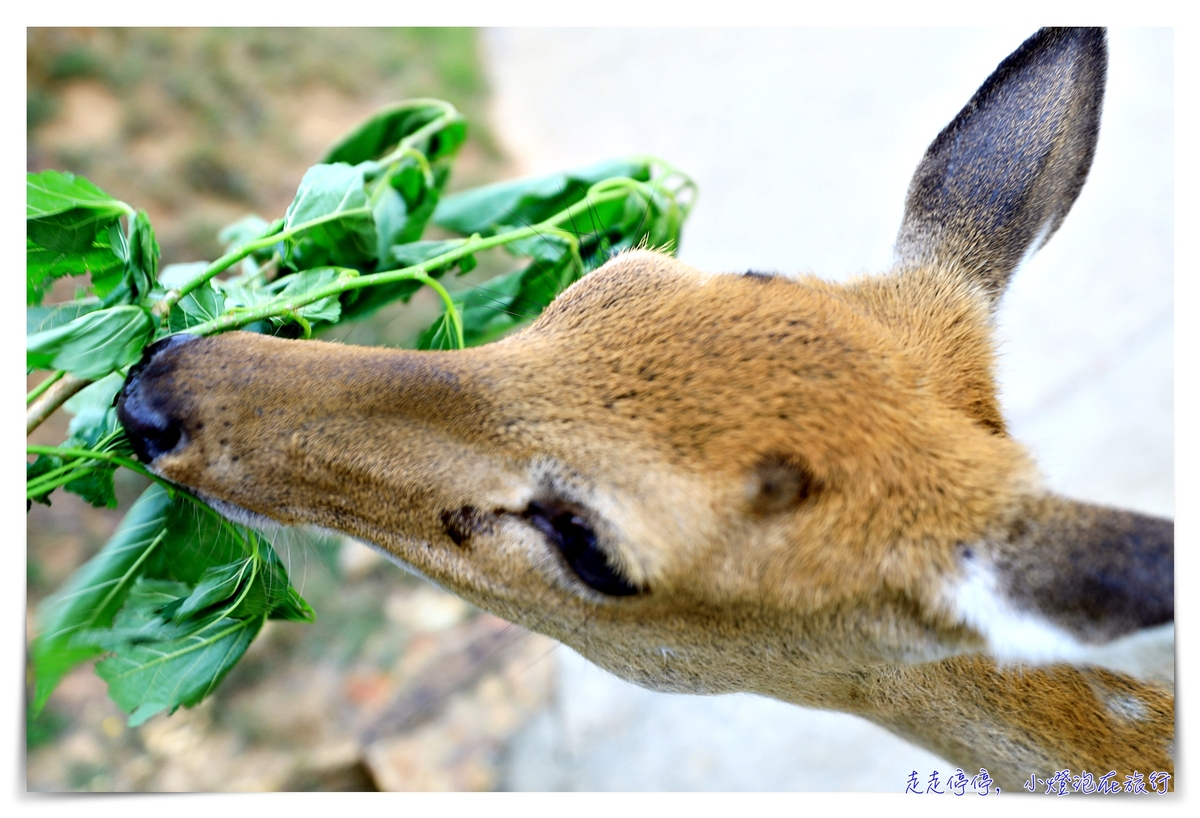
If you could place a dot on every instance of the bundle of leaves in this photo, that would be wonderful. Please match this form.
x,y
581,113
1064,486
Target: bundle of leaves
x,y
175,597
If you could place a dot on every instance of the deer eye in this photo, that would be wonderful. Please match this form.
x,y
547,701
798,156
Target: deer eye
x,y
576,541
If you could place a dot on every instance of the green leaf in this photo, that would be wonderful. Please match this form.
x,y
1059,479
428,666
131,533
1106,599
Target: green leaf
x,y
43,265
362,302
658,218
381,133
466,264
67,224
145,617
144,247
277,598
247,587
145,679
358,303
168,570
93,344
247,228
70,233
202,304
241,294
200,541
95,486
299,285
38,319
494,208
218,583
95,418
109,279
293,608
41,465
52,192
409,255
140,252
403,200
94,427
391,215
91,597
440,335
505,302
93,407
645,214
332,210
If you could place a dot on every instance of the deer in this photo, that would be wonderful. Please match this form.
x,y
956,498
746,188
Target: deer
x,y
743,481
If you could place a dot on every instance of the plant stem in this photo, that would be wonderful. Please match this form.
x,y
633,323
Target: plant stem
x,y
421,271
55,396
132,465
109,457
455,318
53,479
234,256
600,193
36,392
450,113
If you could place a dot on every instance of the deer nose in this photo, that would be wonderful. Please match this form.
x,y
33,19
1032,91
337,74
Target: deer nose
x,y
143,405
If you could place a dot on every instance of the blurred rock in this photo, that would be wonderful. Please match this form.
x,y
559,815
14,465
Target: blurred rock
x,y
505,679
89,116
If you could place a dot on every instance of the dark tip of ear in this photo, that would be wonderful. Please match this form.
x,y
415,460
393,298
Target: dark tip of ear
x,y
1048,52
997,182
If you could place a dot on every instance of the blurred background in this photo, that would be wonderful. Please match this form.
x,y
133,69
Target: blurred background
x,y
802,143
199,128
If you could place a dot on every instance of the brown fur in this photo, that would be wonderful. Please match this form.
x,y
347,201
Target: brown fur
x,y
790,471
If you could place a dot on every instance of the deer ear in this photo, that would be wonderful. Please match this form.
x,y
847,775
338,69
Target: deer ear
x,y
1068,571
998,180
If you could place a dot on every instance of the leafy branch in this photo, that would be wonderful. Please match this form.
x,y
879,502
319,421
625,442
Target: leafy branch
x,y
173,599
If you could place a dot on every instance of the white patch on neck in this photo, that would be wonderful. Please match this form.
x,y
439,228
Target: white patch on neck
x,y
1013,635
1017,636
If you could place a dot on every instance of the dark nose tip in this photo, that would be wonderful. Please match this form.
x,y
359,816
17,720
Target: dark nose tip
x,y
143,404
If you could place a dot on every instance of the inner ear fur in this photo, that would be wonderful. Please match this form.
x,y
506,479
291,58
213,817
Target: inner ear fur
x,y
1097,572
998,180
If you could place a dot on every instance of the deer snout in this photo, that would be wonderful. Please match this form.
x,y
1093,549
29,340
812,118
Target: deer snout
x,y
310,431
144,402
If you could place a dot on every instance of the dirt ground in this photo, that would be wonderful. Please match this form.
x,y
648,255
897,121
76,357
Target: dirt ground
x,y
397,686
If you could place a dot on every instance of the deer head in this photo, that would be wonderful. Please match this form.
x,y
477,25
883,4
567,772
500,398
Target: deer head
x,y
720,482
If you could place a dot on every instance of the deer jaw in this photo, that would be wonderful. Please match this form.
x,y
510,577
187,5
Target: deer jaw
x,y
788,473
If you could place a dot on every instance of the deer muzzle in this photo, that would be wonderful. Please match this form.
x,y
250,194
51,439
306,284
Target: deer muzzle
x,y
308,432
